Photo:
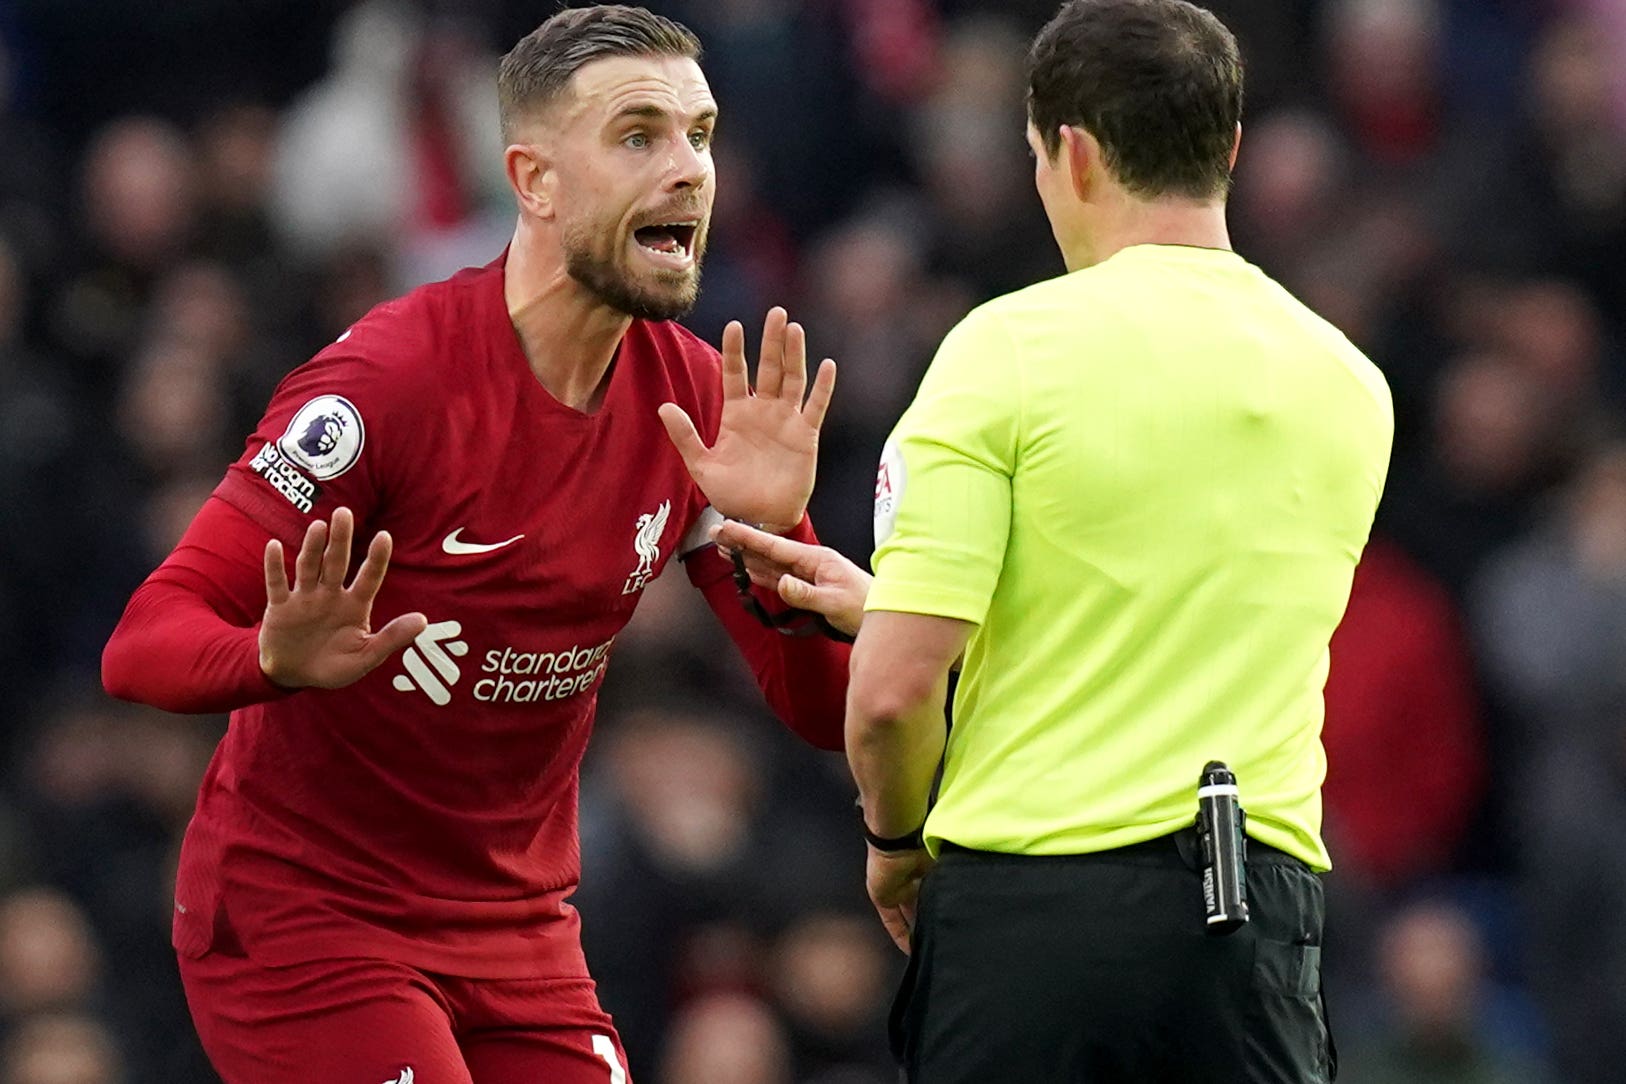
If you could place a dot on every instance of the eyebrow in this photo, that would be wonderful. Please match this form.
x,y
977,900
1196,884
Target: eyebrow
x,y
655,112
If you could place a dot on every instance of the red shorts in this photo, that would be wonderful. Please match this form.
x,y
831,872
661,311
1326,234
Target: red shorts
x,y
359,1021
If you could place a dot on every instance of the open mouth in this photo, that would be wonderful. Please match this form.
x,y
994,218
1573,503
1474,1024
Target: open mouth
x,y
670,239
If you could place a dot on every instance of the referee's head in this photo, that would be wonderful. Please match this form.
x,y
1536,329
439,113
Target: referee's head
x,y
1146,94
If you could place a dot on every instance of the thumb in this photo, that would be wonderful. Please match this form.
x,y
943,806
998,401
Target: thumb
x,y
683,434
393,637
799,593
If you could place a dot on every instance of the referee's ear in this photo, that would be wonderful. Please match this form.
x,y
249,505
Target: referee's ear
x,y
1236,145
1085,167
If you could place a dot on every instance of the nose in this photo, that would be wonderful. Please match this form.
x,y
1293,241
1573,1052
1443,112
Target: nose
x,y
688,169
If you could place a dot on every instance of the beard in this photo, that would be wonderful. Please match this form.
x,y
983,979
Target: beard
x,y
593,259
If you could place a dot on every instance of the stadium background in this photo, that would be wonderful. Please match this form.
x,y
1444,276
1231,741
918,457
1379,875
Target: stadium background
x,y
197,194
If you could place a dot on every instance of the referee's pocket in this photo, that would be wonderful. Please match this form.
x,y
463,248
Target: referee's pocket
x,y
1291,969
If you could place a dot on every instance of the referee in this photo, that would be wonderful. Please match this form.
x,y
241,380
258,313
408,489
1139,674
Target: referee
x,y
1133,498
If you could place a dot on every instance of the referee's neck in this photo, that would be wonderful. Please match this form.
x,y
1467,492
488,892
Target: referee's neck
x,y
1128,222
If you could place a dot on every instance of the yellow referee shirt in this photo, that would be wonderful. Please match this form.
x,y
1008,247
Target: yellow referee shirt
x,y
1147,483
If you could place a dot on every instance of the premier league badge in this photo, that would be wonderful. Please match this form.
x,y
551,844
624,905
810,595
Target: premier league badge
x,y
324,438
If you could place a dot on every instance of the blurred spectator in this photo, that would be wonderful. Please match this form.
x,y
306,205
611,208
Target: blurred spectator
x,y
398,142
1547,192
1551,613
60,1049
871,303
48,959
1405,748
1497,447
1288,188
726,1039
236,148
1384,75
833,979
1444,1026
687,866
139,214
1552,622
967,136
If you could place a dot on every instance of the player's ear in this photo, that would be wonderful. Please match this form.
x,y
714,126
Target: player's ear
x,y
530,175
1236,144
1083,154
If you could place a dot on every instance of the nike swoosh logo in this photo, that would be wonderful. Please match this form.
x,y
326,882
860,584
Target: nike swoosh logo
x,y
462,549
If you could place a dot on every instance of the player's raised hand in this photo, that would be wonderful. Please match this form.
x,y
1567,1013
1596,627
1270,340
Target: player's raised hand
x,y
815,578
762,465
318,633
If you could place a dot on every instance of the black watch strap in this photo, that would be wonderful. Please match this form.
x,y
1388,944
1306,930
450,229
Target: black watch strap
x,y
913,841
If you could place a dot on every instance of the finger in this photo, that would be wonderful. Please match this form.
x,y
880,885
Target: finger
x,y
308,565
818,400
771,361
336,556
683,434
392,638
736,380
370,576
769,547
896,927
276,574
794,382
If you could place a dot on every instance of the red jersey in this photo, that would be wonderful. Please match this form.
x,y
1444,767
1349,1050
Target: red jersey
x,y
427,813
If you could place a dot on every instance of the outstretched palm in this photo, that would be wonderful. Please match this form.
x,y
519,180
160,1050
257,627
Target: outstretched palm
x,y
318,633
761,467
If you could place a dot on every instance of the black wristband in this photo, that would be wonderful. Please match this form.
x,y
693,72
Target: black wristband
x,y
833,633
913,841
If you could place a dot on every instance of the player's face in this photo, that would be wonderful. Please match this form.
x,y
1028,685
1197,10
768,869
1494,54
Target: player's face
x,y
636,182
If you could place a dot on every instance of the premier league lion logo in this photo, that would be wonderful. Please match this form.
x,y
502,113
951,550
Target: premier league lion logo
x,y
325,437
322,435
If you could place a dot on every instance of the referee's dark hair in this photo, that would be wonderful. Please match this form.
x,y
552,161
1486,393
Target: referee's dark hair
x,y
1158,83
536,70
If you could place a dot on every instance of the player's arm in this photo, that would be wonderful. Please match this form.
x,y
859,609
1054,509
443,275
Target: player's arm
x,y
187,641
224,622
218,625
804,679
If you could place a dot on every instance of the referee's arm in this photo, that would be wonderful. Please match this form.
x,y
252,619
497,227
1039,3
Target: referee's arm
x,y
895,722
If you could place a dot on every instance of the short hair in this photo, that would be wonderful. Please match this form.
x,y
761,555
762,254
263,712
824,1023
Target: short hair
x,y
1158,83
537,70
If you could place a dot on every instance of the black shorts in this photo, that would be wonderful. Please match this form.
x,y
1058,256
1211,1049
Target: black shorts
x,y
1096,969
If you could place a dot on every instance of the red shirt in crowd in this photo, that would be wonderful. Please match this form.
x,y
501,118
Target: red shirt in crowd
x,y
1405,746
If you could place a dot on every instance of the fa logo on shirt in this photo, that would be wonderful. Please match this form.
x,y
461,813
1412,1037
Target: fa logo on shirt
x,y
647,543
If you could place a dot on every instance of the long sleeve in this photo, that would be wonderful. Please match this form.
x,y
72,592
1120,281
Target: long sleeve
x,y
189,639
804,679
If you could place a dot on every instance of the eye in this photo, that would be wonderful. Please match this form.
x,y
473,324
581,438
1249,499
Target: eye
x,y
637,141
700,139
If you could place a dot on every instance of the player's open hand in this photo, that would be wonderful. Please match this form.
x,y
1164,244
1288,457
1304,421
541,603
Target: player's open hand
x,y
815,578
318,633
893,880
761,468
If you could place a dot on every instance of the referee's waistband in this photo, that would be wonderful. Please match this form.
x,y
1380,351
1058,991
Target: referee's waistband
x,y
1176,848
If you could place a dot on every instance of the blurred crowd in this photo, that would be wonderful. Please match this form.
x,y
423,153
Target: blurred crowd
x,y
197,195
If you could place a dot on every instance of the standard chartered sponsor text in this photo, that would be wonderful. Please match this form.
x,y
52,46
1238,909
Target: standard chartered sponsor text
x,y
526,677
